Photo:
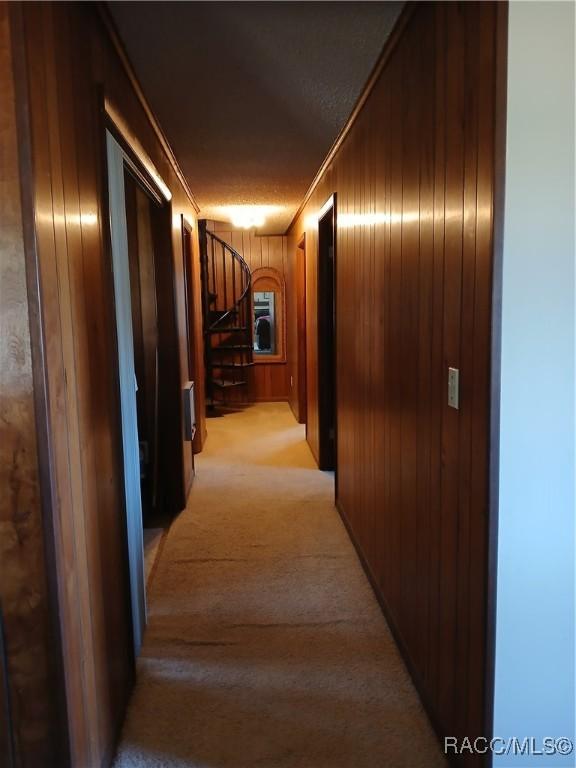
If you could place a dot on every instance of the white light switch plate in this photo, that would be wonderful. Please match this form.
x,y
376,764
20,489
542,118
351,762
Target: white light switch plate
x,y
454,388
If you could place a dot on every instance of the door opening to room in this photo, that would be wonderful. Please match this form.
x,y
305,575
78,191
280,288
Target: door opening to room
x,y
326,335
148,364
301,329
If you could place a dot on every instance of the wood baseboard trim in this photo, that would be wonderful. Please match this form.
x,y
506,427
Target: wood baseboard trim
x,y
396,634
294,411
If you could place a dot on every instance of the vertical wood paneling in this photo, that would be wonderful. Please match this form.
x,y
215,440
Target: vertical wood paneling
x,y
70,544
294,258
29,710
407,332
68,64
437,360
452,279
467,352
492,29
413,179
292,297
424,400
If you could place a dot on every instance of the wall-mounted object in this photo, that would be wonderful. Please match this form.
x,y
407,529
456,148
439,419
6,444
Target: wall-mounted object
x,y
269,316
454,388
188,411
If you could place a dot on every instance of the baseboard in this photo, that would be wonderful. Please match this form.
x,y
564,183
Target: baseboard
x,y
315,455
396,634
294,410
277,399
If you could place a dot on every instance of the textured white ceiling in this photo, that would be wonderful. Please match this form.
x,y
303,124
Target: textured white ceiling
x,y
251,95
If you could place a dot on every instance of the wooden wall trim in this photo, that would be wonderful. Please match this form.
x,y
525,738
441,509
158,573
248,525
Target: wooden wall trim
x,y
387,51
135,147
123,56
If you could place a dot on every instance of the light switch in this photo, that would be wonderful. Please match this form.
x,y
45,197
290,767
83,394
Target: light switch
x,y
454,388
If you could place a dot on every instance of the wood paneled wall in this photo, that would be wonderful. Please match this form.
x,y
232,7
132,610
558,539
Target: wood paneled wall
x,y
32,661
414,180
296,331
66,65
266,381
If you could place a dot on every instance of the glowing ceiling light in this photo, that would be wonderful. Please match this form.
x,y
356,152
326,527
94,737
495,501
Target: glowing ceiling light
x,y
249,216
248,219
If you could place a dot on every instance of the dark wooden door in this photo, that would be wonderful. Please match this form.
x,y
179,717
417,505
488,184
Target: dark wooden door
x,y
145,335
301,329
326,338
188,265
156,357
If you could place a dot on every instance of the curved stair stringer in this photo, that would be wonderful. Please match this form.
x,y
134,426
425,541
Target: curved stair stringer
x,y
227,316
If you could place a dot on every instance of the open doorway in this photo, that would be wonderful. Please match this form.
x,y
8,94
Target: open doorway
x,y
144,311
327,335
148,363
301,330
190,391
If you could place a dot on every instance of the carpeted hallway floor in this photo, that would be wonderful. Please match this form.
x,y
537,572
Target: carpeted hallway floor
x,y
265,645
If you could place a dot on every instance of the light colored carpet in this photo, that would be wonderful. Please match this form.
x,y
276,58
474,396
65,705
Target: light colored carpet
x,y
265,645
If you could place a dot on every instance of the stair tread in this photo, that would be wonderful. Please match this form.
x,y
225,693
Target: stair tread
x,y
228,329
222,312
225,383
232,347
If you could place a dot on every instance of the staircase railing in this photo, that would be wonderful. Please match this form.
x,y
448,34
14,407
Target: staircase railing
x,y
227,312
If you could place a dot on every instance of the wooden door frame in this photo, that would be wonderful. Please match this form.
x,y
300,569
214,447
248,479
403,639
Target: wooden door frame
x,y
327,320
301,359
121,157
189,284
143,169
126,380
170,399
187,265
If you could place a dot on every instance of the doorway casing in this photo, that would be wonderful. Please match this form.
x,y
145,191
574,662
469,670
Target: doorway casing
x,y
327,401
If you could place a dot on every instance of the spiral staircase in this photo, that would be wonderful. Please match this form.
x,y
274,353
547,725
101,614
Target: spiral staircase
x,y
227,316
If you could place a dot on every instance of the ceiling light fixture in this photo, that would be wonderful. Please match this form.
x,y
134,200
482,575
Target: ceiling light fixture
x,y
249,216
248,219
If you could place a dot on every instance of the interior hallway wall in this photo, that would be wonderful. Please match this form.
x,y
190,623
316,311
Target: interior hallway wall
x,y
414,182
67,65
535,628
266,381
293,296
32,661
